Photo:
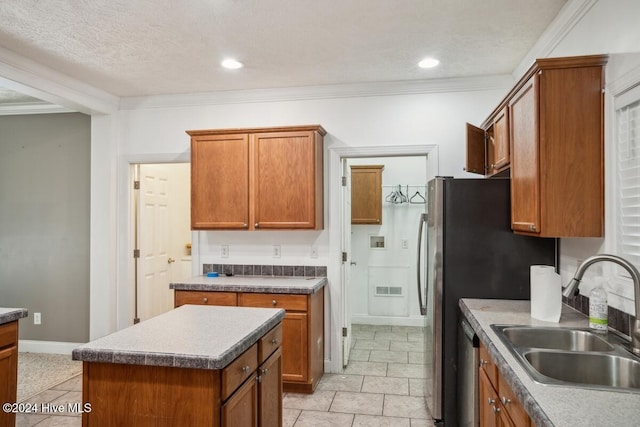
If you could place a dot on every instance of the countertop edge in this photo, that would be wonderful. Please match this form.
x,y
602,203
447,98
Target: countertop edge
x,y
178,360
534,410
13,314
185,285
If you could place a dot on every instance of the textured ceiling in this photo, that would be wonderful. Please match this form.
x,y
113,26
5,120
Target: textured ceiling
x,y
153,47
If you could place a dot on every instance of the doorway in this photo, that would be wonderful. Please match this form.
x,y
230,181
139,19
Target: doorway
x,y
161,234
382,310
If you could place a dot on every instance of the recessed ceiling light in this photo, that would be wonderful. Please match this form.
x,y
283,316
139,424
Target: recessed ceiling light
x,y
232,64
428,63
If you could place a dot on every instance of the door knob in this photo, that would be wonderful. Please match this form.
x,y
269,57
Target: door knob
x,y
171,260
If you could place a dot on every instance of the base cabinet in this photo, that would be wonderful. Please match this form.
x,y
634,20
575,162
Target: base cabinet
x,y
8,369
498,404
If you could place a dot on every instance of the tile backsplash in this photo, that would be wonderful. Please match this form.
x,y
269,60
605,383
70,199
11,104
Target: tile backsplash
x,y
267,270
618,320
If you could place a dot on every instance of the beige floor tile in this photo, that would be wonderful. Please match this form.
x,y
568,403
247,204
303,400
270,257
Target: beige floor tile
x,y
405,406
289,416
320,400
28,420
415,357
416,346
357,403
422,423
388,356
417,337
378,369
340,382
324,419
46,396
73,384
408,329
372,344
391,336
386,385
359,355
416,386
61,421
406,370
364,335
377,421
372,328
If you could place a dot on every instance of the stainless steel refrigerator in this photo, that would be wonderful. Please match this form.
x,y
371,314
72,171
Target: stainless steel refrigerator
x,y
469,252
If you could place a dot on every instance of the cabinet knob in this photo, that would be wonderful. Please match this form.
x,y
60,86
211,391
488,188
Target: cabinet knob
x,y
532,227
274,302
483,362
205,300
274,341
245,369
265,370
496,409
256,225
505,400
245,225
491,401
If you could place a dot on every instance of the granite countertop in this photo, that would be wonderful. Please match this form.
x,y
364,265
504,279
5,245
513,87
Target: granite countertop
x,y
191,336
10,314
547,405
266,284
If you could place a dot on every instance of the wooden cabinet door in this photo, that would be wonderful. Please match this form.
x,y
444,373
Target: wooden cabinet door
x,y
220,182
241,409
287,187
498,145
295,347
525,159
9,383
270,391
476,146
366,194
488,402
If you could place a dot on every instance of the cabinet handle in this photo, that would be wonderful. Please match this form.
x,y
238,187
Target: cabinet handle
x,y
245,225
256,225
483,362
274,341
205,300
274,302
245,369
265,371
532,227
505,400
496,409
491,401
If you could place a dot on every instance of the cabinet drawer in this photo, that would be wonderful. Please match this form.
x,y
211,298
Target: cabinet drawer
x,y
511,403
205,298
269,343
486,363
239,370
9,334
286,301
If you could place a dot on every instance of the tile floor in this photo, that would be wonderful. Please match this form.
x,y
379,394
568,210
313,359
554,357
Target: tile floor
x,y
382,386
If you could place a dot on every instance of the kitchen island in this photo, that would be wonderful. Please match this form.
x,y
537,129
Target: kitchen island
x,y
547,405
302,327
195,365
9,360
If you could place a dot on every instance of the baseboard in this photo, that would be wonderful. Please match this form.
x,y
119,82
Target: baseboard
x,y
388,320
56,347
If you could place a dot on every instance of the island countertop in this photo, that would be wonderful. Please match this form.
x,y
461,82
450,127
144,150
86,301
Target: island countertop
x,y
547,405
252,284
10,314
202,337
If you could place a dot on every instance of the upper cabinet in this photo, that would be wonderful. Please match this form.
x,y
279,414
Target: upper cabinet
x,y
250,179
366,194
488,150
548,133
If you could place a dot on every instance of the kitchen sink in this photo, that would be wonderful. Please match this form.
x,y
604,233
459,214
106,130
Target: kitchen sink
x,y
594,369
572,357
555,338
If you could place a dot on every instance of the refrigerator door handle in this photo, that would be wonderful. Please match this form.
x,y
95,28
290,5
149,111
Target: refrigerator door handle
x,y
423,308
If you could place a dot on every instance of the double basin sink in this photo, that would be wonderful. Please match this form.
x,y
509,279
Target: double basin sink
x,y
572,357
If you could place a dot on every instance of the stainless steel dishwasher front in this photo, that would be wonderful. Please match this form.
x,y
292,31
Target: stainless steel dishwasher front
x,y
468,387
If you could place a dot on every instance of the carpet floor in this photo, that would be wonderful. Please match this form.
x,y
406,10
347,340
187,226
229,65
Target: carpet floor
x,y
40,371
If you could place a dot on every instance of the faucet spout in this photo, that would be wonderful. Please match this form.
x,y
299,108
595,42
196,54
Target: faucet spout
x,y
571,289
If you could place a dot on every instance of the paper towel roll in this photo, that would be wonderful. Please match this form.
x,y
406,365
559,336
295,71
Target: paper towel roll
x,y
546,293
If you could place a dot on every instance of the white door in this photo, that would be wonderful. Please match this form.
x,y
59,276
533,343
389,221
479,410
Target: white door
x,y
346,263
154,274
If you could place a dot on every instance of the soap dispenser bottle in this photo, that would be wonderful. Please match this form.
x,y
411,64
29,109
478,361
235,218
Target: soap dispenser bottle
x,y
598,307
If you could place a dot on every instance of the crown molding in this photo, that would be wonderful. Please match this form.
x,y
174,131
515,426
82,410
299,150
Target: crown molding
x,y
320,92
33,79
34,108
572,13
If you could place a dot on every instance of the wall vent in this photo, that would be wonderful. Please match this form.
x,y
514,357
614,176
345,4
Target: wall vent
x,y
394,291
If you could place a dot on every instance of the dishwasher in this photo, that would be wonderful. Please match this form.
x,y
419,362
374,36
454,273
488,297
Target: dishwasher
x,y
467,386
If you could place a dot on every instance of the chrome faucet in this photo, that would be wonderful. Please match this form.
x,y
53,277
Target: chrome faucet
x,y
571,290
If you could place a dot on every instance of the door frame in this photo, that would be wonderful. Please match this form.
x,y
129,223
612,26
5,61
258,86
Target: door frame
x,y
336,155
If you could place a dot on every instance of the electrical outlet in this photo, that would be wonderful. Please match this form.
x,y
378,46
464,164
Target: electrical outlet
x,y
224,251
37,318
276,251
314,252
